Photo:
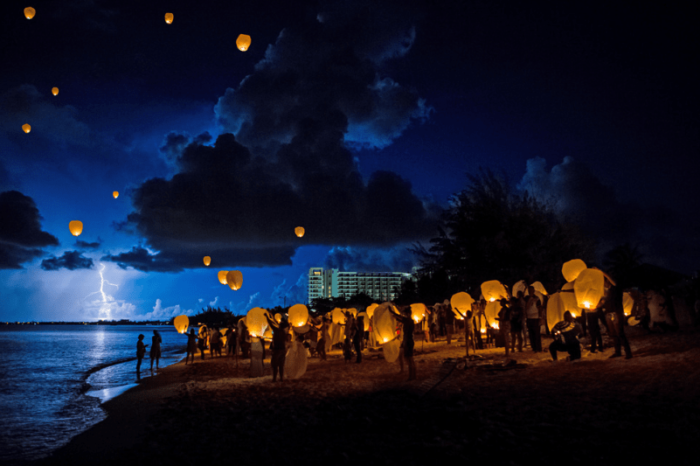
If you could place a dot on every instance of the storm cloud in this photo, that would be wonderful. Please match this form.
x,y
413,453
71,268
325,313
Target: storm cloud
x,y
359,259
21,236
71,260
318,93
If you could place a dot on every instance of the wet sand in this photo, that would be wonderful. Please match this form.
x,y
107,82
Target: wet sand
x,y
493,409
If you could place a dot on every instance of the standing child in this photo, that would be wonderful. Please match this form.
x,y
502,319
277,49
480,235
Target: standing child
x,y
140,354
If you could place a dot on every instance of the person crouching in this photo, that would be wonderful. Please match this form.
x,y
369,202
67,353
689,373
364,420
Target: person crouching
x,y
566,338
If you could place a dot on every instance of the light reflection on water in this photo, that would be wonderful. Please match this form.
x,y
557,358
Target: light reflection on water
x,y
54,377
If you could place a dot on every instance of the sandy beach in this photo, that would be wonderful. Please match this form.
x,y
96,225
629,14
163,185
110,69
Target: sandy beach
x,y
516,410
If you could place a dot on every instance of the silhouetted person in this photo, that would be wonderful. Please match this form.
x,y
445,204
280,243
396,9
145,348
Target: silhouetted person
x,y
565,335
191,345
230,341
215,342
504,317
358,336
532,313
615,318
516,322
408,343
140,354
202,343
594,329
278,347
156,340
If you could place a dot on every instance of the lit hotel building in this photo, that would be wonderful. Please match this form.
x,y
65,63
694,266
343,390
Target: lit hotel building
x,y
331,283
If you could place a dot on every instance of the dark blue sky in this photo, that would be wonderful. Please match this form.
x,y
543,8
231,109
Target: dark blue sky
x,y
356,119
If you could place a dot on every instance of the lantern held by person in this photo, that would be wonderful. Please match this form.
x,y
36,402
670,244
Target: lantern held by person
x,y
418,312
298,315
371,308
571,269
589,288
461,303
75,227
256,321
493,290
181,323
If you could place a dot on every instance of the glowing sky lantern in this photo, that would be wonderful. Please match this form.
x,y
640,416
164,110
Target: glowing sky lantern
x,y
26,128
256,321
29,12
352,311
555,309
54,91
365,320
493,290
589,287
206,260
75,227
115,194
278,317
243,42
222,276
571,269
418,312
568,297
370,309
181,323
234,279
384,327
491,312
461,302
299,231
298,315
169,18
538,286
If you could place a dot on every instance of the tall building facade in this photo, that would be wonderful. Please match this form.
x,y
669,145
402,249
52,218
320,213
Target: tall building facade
x,y
332,283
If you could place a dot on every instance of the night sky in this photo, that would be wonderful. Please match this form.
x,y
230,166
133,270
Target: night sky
x,y
355,119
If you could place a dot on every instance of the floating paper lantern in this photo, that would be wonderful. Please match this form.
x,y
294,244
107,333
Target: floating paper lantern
x,y
75,227
365,320
222,276
384,324
298,315
181,323
538,286
29,12
26,128
493,290
169,18
571,269
461,303
589,288
555,309
206,260
256,321
299,231
370,309
243,42
234,279
115,194
54,91
418,311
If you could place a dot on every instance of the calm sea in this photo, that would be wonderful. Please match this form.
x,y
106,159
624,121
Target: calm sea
x,y
53,379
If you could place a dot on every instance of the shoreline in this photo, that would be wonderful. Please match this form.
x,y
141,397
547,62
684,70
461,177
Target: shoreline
x,y
605,410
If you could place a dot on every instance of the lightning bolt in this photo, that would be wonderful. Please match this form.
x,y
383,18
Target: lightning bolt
x,y
105,307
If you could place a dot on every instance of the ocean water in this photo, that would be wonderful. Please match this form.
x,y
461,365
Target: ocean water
x,y
53,379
